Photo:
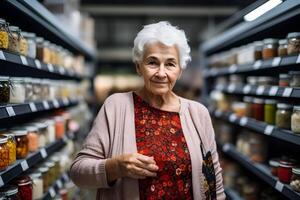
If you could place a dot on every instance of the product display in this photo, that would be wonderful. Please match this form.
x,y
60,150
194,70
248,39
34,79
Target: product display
x,y
4,153
295,125
295,78
33,138
295,181
21,142
14,39
282,49
37,185
284,80
10,192
11,145
283,116
274,164
285,171
24,184
293,43
3,34
270,111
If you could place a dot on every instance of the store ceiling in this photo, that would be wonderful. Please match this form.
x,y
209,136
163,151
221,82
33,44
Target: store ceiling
x,y
117,23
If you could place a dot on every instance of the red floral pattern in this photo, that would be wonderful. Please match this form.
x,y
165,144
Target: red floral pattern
x,y
159,134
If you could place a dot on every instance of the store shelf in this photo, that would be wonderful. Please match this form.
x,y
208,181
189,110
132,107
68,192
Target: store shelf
x,y
13,110
259,127
259,170
16,65
279,63
54,189
232,194
271,91
32,16
32,159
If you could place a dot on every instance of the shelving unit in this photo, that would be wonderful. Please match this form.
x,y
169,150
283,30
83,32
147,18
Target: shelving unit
x,y
275,24
54,189
231,194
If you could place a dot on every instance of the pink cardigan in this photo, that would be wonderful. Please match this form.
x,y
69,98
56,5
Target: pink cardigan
x,y
113,133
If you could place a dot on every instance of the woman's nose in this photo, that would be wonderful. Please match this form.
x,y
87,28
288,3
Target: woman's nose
x,y
161,71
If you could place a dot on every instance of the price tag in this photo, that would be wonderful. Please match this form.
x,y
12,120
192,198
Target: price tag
x,y
260,90
2,57
247,89
24,165
44,153
10,111
233,68
46,105
276,61
24,60
65,101
273,91
268,130
287,92
52,192
59,183
38,64
55,103
257,64
50,67
279,186
218,113
231,88
298,59
232,118
226,147
61,70
243,121
1,182
32,107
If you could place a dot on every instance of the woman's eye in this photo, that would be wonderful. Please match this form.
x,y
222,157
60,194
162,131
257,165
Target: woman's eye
x,y
170,64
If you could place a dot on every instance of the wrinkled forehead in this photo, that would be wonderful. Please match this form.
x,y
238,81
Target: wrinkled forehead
x,y
160,50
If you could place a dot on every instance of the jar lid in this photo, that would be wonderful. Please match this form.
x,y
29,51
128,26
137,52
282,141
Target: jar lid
x,y
270,41
14,28
294,72
252,80
39,39
274,163
283,41
3,139
31,128
257,100
28,35
49,164
266,78
35,175
55,159
40,125
293,35
270,101
43,169
258,43
23,180
9,190
296,107
248,99
284,76
4,78
296,170
19,132
284,106
17,79
49,122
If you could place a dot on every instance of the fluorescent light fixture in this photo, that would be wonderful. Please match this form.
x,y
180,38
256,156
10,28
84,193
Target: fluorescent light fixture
x,y
261,10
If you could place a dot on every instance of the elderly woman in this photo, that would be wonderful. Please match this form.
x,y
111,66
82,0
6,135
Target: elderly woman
x,y
151,143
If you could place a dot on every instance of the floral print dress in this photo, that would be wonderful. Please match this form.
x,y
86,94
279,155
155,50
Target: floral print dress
x,y
159,134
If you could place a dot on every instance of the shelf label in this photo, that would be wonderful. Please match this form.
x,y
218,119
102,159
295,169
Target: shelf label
x,y
59,183
32,107
260,90
257,64
44,153
276,61
269,129
247,89
46,105
232,118
55,103
233,68
287,92
231,88
10,111
24,165
2,57
279,186
243,121
66,101
273,91
226,147
50,67
52,192
1,182
24,60
218,113
298,59
38,64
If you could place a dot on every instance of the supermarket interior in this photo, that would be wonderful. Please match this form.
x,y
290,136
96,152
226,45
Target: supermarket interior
x,y
61,59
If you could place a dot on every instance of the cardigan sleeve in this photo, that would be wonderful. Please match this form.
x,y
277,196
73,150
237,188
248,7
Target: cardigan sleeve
x,y
88,168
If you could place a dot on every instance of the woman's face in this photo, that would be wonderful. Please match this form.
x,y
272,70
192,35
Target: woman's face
x,y
159,68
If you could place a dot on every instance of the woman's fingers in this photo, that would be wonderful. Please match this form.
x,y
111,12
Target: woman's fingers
x,y
145,159
150,167
143,172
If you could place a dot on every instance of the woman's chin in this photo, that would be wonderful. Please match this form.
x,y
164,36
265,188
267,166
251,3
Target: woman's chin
x,y
159,91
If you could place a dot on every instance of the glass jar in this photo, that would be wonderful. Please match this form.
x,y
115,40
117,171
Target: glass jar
x,y
285,171
24,187
282,49
37,89
4,153
63,194
10,192
23,45
45,177
293,43
295,121
267,81
4,89
295,78
252,80
274,164
41,134
29,95
257,148
45,89
270,111
22,142
17,92
59,127
14,39
56,161
283,116
258,109
46,52
51,166
284,80
51,129
30,37
248,101
295,181
4,34
270,48
37,186
33,138
40,48
12,147
250,191
258,47
239,108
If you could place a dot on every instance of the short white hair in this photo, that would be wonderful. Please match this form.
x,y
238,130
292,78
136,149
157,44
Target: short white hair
x,y
165,33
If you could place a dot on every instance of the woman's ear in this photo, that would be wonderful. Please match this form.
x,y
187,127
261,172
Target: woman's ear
x,y
138,70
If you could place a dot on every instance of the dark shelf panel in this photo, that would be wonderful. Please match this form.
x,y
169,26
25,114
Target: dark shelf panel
x,y
12,110
54,189
259,170
260,127
16,65
32,159
276,63
232,194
